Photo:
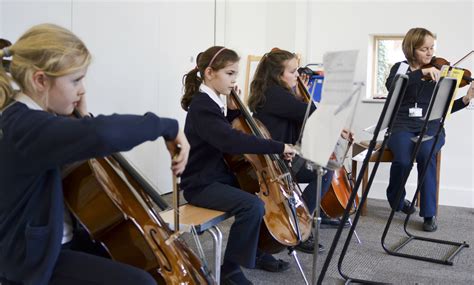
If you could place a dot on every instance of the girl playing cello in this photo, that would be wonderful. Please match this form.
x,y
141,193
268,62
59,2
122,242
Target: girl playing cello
x,y
278,104
207,180
37,138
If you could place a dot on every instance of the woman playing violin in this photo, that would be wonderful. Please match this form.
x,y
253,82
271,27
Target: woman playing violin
x,y
418,47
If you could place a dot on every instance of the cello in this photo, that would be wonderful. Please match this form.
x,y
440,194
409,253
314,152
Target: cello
x,y
335,200
117,208
287,220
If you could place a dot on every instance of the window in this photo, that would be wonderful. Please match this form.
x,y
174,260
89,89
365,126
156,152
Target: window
x,y
387,52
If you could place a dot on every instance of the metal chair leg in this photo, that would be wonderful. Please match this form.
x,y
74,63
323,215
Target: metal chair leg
x,y
216,234
357,236
292,252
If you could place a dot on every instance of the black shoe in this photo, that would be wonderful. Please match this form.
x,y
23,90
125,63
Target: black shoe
x,y
430,224
308,246
407,207
269,263
235,277
327,222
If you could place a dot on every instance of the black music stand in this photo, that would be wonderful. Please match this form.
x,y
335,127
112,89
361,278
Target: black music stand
x,y
386,119
446,87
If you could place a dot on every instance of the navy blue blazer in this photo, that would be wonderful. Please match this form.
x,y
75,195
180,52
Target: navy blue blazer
x,y
210,135
33,147
282,114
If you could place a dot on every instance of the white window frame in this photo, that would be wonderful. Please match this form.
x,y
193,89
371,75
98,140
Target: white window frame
x,y
374,65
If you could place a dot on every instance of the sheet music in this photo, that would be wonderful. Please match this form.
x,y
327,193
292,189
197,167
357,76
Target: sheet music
x,y
324,127
402,68
444,92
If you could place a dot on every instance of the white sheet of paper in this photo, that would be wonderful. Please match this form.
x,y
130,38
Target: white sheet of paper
x,y
324,127
370,129
402,68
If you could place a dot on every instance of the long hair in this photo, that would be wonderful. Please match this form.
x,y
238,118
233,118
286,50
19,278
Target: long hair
x,y
216,57
46,47
269,71
414,39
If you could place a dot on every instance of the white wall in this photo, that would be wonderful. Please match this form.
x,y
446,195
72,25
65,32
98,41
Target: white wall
x,y
255,27
342,25
1,13
18,16
472,119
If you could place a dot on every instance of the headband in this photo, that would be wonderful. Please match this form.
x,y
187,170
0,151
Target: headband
x,y
214,57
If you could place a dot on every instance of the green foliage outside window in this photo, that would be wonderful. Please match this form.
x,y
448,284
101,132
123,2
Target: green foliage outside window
x,y
388,51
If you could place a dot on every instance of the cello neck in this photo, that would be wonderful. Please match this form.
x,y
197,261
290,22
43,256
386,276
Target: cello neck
x,y
252,124
248,117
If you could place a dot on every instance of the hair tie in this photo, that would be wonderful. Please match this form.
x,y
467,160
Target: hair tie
x,y
198,73
214,57
6,52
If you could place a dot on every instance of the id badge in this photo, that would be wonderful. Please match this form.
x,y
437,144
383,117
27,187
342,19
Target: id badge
x,y
415,112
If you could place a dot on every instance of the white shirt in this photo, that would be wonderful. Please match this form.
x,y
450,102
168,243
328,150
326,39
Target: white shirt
x,y
67,227
216,98
30,103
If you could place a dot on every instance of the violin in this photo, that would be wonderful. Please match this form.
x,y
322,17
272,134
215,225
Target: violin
x,y
118,208
287,220
439,62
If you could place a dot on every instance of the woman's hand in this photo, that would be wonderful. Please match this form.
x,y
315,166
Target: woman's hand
x,y
179,150
289,152
470,94
432,72
305,79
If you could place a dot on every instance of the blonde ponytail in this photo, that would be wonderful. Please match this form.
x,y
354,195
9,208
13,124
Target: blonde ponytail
x,y
6,88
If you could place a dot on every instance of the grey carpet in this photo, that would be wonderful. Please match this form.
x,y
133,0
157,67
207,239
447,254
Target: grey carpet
x,y
369,261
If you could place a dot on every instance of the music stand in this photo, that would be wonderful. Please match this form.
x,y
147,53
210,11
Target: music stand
x,y
437,110
386,119
336,107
